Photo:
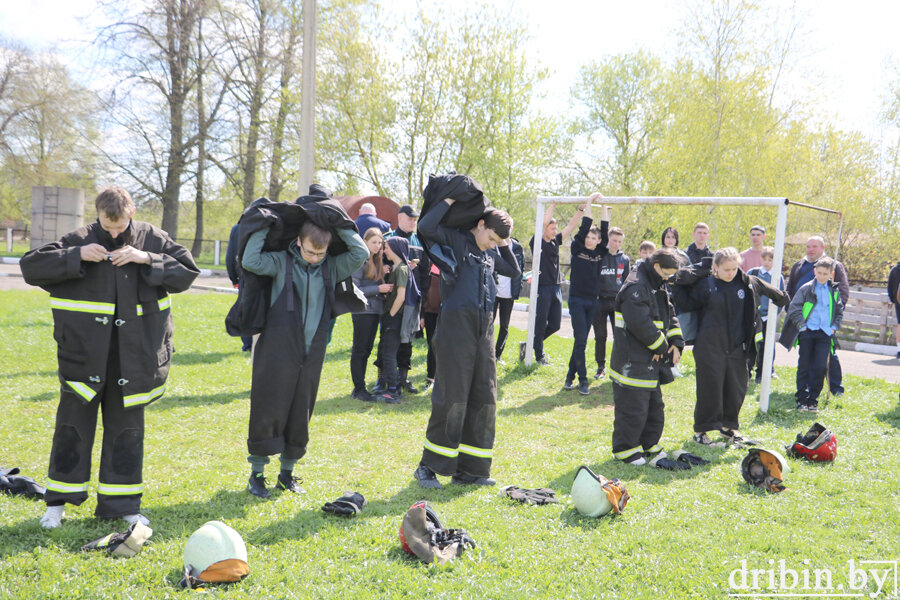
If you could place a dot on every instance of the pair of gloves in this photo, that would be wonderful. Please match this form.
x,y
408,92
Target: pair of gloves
x,y
683,460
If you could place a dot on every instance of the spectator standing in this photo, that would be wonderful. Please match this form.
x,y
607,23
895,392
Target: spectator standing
x,y
614,268
670,240
368,219
893,290
764,273
508,291
752,256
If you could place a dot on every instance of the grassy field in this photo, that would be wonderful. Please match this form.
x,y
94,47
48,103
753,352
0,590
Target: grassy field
x,y
681,536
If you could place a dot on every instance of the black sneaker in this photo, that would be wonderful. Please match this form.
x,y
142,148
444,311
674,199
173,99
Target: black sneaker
x,y
544,361
583,388
426,478
380,387
257,486
363,395
802,407
392,396
732,436
463,479
601,372
568,385
407,386
813,408
289,483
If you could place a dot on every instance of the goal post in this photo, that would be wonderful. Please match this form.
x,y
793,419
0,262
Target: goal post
x,y
780,230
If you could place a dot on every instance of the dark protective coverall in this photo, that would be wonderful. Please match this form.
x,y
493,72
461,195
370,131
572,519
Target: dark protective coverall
x,y
726,340
290,351
460,434
113,328
645,326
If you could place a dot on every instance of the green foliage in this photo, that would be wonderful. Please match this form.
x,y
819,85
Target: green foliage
x,y
680,536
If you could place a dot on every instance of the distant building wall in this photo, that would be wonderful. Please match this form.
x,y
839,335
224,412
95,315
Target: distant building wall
x,y
55,211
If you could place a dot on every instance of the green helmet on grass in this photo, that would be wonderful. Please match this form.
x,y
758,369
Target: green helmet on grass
x,y
215,553
595,495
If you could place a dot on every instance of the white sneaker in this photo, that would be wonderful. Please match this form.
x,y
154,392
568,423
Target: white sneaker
x,y
138,518
53,517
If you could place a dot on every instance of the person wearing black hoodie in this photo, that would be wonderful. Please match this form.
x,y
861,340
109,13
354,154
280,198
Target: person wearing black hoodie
x,y
588,249
459,439
614,268
404,293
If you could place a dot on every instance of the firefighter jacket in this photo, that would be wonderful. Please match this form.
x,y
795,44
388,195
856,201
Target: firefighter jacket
x,y
645,325
89,299
697,298
802,304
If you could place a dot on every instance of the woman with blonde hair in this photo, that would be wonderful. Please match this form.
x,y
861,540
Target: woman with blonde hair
x,y
369,278
727,301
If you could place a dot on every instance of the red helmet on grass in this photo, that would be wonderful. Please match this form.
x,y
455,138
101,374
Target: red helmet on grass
x,y
818,444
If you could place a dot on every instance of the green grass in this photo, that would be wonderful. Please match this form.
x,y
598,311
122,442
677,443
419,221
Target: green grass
x,y
680,536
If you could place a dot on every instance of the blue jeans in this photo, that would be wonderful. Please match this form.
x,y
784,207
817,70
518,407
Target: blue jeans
x,y
581,312
815,346
548,316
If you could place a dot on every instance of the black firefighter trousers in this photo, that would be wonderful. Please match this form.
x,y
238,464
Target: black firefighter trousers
x,y
121,457
639,419
285,380
460,434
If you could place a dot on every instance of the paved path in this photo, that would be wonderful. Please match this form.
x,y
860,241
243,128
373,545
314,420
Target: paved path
x,y
854,363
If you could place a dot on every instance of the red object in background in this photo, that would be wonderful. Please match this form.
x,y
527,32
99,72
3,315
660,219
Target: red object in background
x,y
385,208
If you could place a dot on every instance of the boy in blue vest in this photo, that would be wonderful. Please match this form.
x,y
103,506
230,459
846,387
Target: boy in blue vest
x,y
813,319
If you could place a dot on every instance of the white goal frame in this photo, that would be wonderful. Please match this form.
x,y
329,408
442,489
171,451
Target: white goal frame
x,y
780,229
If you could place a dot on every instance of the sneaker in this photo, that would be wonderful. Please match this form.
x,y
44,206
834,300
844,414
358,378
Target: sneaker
x,y
380,387
775,375
463,479
544,361
257,486
363,395
802,407
289,483
635,460
813,408
429,383
407,386
837,393
583,388
392,396
137,518
426,478
568,385
53,517
500,362
522,352
601,372
703,440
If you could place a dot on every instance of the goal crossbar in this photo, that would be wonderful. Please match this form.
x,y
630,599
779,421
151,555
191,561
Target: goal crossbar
x,y
781,226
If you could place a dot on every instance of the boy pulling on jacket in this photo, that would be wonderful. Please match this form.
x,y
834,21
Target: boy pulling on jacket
x,y
288,357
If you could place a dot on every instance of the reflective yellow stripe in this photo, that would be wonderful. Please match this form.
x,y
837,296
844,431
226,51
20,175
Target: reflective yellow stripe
x,y
104,541
659,324
654,448
164,303
658,342
66,488
111,489
103,308
135,399
620,320
759,336
448,452
674,332
473,451
630,381
627,453
82,390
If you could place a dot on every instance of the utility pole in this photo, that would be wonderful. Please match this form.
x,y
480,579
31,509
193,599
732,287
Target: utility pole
x,y
308,99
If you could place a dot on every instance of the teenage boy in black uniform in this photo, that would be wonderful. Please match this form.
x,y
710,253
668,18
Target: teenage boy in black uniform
x,y
614,268
645,338
459,440
109,285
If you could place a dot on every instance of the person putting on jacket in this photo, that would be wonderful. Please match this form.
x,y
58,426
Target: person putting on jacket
x,y
459,440
290,351
109,285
